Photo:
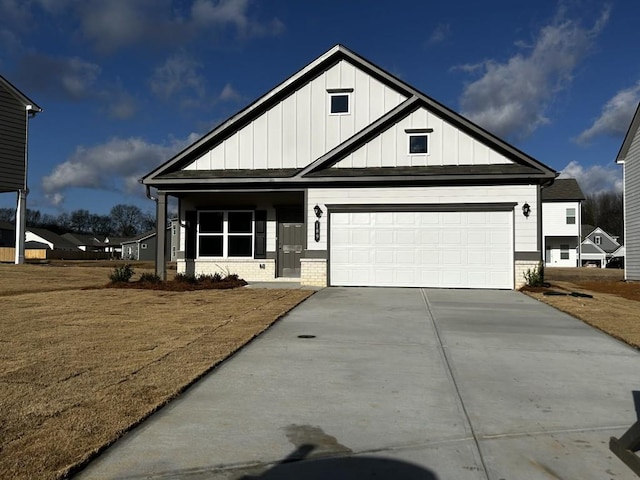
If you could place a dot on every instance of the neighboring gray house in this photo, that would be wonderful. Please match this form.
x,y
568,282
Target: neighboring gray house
x,y
15,110
143,247
629,158
562,223
597,248
345,175
7,235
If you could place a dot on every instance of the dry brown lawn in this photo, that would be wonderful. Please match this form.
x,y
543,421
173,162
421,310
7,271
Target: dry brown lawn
x,y
80,367
614,308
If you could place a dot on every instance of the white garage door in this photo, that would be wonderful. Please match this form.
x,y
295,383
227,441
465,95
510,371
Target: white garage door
x,y
422,249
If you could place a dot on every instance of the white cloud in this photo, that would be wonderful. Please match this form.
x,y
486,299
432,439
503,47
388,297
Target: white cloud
x,y
594,179
229,94
55,199
61,77
179,75
512,97
115,165
615,117
439,34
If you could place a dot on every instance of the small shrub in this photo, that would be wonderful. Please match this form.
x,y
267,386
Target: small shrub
x,y
535,277
121,274
213,278
185,278
149,278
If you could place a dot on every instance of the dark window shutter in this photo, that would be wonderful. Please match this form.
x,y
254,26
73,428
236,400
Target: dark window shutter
x,y
191,217
260,249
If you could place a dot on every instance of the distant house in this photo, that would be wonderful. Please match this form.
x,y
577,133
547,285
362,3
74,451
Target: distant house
x,y
7,235
15,111
143,247
51,239
598,247
629,158
561,223
86,243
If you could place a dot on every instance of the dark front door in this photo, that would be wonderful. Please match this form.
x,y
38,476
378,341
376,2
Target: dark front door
x,y
290,242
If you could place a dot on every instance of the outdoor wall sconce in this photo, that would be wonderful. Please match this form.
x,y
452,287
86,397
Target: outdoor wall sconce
x,y
318,211
526,210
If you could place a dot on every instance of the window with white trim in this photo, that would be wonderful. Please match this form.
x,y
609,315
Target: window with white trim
x,y
571,216
143,246
418,144
339,101
598,240
225,233
564,252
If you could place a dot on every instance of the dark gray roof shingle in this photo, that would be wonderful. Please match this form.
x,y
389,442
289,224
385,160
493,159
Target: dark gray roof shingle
x,y
562,189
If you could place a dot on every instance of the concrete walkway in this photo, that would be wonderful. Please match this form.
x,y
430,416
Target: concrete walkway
x,y
399,384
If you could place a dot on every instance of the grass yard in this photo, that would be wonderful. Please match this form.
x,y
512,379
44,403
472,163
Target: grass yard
x,y
614,308
80,365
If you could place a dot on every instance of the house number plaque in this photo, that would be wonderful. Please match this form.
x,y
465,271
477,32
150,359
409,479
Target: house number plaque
x,y
317,231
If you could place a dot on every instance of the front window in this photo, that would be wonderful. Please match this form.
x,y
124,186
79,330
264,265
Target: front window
x,y
564,252
571,216
225,234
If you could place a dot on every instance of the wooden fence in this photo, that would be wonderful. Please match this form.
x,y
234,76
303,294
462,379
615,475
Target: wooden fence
x,y
7,254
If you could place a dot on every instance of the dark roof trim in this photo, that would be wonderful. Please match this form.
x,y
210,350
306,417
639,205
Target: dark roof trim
x,y
29,104
628,138
422,207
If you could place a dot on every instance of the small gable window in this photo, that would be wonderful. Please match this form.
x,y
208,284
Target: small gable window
x,y
340,101
598,240
418,141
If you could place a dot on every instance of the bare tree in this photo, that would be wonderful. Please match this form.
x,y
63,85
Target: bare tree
x,y
604,210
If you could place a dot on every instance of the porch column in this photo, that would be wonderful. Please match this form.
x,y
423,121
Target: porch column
x,y
161,235
21,223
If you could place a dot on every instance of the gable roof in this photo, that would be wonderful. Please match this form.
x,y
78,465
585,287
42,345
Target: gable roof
x,y
610,239
139,238
58,240
562,190
526,167
628,138
587,246
83,239
19,96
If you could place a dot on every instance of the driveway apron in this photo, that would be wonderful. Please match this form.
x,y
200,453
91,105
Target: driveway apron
x,y
398,383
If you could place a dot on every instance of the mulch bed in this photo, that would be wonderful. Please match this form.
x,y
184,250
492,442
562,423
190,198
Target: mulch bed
x,y
181,286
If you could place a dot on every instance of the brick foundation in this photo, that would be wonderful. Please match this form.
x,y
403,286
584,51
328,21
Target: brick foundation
x,y
313,272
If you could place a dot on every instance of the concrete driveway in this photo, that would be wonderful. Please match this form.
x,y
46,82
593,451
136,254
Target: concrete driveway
x,y
399,383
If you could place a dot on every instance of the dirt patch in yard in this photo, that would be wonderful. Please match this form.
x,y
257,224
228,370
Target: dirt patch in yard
x,y
78,368
614,308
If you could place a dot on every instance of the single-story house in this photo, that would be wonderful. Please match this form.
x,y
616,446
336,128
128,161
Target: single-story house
x,y
143,247
49,238
629,158
86,243
345,175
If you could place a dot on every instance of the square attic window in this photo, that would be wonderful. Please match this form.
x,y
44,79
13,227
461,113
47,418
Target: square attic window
x,y
418,140
340,100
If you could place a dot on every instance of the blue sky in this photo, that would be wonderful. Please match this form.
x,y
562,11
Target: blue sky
x,y
125,84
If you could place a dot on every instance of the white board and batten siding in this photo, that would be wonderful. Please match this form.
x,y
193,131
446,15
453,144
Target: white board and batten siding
x,y
632,209
300,128
448,145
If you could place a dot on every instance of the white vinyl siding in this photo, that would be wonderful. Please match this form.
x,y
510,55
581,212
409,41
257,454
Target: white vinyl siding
x,y
554,219
455,249
300,128
525,229
632,209
447,146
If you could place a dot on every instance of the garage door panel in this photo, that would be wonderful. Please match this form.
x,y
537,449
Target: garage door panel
x,y
430,249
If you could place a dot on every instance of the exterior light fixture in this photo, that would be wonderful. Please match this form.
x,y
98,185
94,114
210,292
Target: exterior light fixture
x,y
526,210
318,211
